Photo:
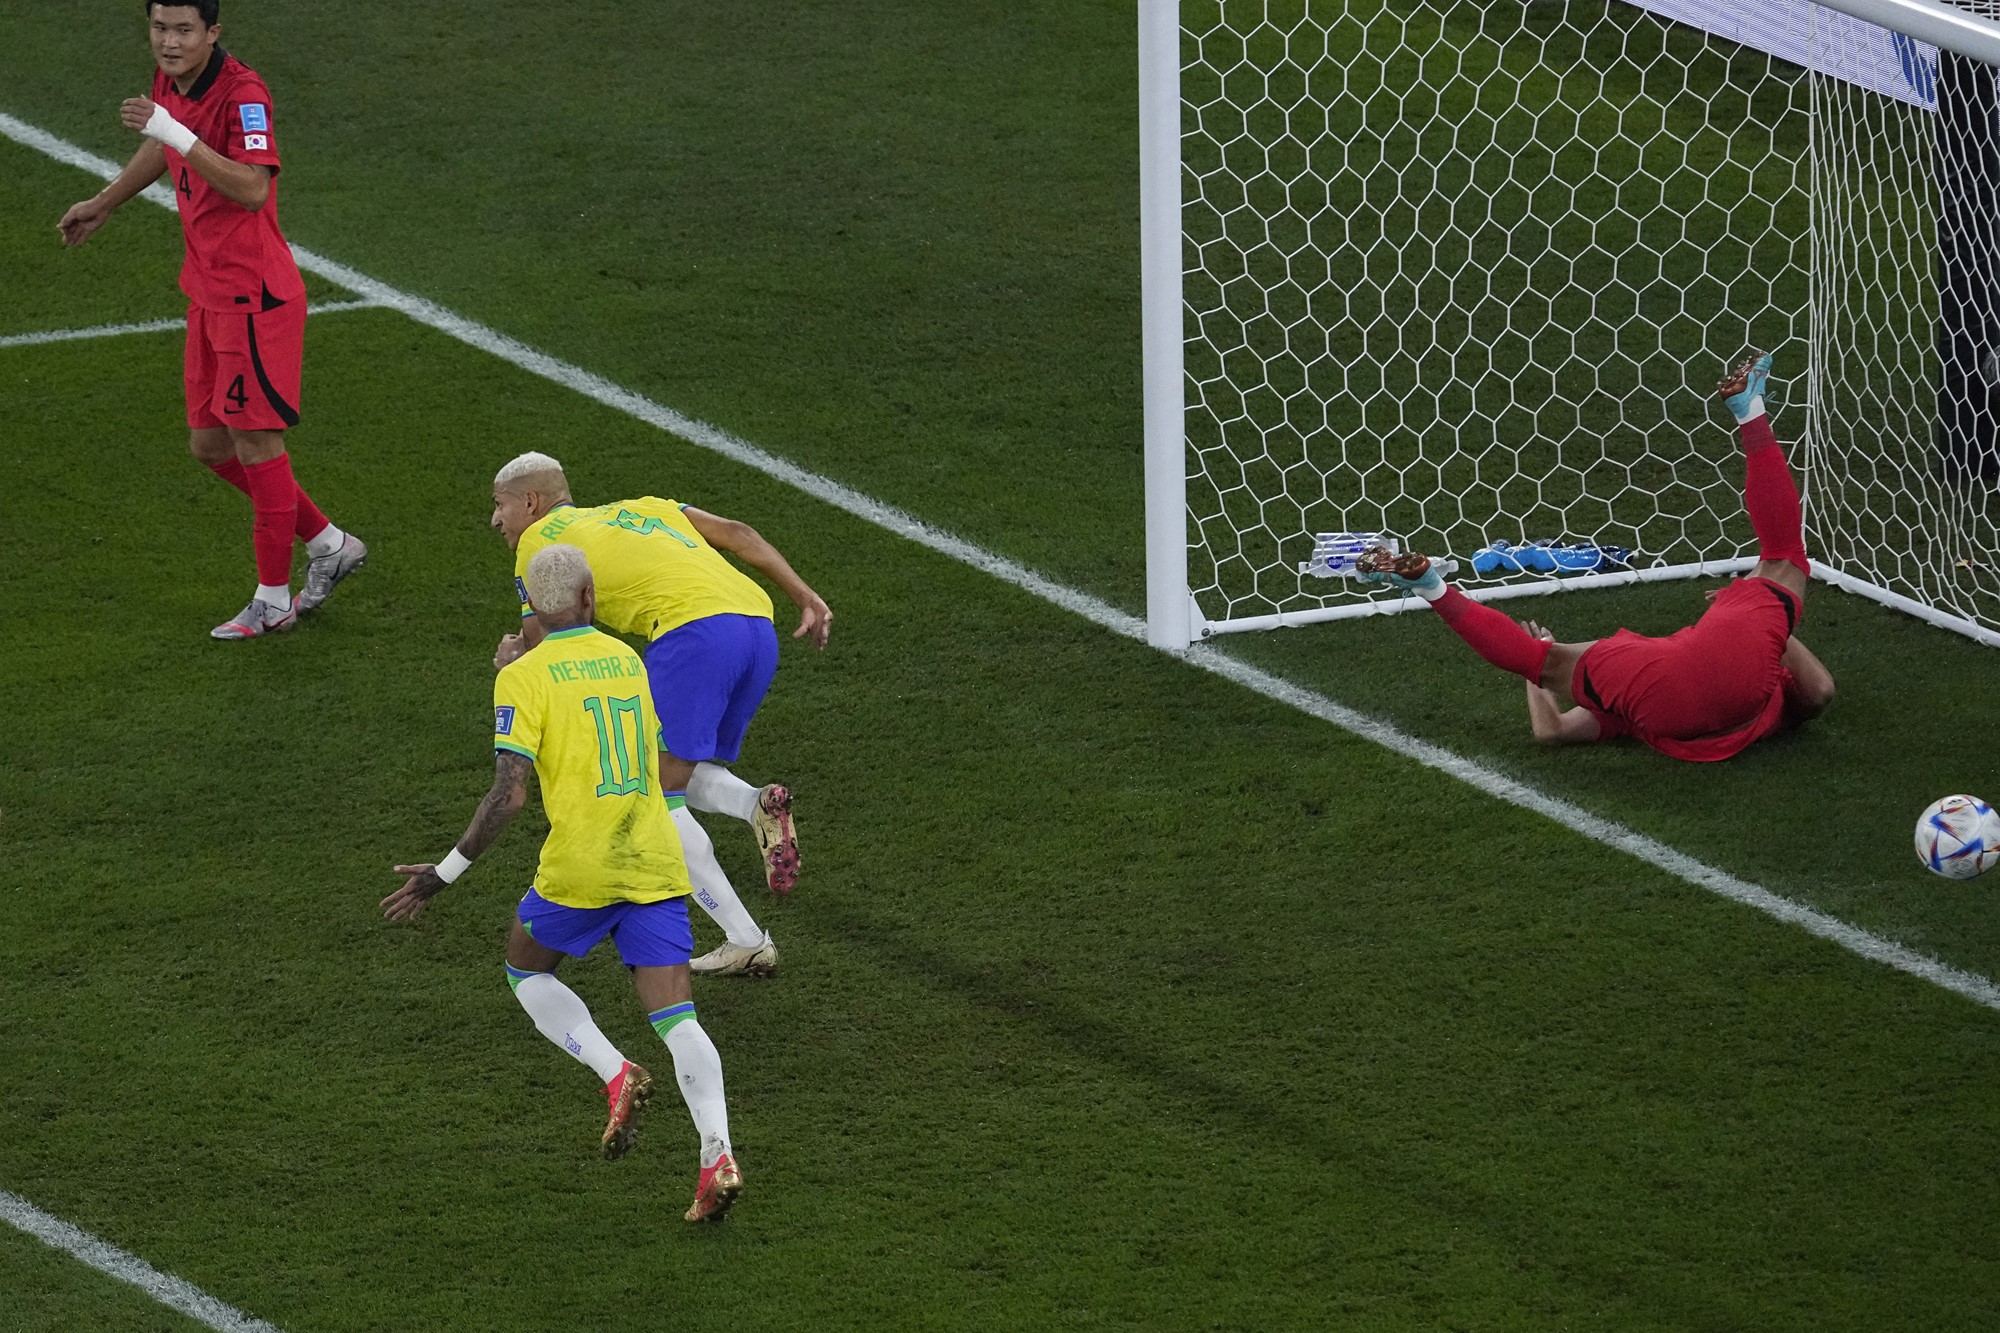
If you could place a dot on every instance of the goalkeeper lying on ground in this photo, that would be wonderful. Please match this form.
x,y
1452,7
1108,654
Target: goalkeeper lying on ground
x,y
1704,693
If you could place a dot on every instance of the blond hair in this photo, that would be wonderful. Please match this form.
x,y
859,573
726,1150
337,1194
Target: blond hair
x,y
533,472
556,579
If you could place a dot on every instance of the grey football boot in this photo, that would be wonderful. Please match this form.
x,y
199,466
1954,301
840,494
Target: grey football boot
x,y
324,572
256,620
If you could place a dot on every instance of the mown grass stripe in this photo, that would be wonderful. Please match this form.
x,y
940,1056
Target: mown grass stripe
x,y
1980,990
170,1291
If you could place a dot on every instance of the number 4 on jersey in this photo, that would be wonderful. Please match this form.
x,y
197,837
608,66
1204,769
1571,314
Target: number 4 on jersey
x,y
644,525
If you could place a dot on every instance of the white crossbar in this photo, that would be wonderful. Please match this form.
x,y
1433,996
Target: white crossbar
x,y
1928,21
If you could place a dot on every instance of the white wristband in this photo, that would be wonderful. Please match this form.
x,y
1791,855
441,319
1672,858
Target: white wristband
x,y
169,131
452,866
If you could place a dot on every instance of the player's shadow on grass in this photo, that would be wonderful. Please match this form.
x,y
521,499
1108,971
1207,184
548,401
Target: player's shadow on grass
x,y
1092,1038
1311,1127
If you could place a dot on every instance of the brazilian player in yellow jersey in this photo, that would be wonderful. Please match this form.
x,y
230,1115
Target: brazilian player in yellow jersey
x,y
575,710
711,652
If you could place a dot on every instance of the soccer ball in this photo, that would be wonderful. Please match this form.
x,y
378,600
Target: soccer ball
x,y
1958,837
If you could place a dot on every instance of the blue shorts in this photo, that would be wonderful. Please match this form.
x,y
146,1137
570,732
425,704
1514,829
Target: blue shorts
x,y
708,678
645,934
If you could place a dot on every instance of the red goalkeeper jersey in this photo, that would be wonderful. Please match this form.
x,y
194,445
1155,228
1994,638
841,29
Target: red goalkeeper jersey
x,y
236,259
1704,693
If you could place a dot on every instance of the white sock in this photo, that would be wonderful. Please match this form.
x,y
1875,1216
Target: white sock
x,y
698,1069
711,886
719,791
565,1019
278,599
1755,410
326,543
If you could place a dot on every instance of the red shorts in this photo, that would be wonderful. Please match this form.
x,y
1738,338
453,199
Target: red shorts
x,y
1705,692
242,367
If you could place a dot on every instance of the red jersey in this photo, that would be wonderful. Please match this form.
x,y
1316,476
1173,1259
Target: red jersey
x,y
236,259
1703,693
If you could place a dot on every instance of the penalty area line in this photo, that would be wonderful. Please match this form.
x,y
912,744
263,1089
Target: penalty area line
x,y
1980,990
170,1291
148,326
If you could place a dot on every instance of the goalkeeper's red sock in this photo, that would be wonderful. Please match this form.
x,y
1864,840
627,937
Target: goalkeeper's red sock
x,y
274,499
1493,635
310,522
1772,497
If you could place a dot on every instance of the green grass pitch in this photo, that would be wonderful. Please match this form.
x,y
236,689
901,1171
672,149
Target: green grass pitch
x,y
1114,996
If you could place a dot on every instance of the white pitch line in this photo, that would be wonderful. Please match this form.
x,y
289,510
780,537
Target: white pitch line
x,y
1980,990
150,326
168,1290
96,331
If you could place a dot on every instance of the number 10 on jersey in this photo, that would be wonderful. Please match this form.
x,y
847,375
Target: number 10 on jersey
x,y
621,758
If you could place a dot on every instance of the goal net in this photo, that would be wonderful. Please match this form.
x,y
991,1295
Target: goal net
x,y
1466,273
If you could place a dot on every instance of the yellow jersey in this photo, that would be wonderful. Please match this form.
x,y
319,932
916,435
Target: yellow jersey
x,y
577,705
654,572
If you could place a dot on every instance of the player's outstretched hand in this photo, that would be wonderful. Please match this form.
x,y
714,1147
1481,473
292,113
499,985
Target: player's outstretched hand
x,y
1537,632
814,621
82,219
135,112
511,647
407,903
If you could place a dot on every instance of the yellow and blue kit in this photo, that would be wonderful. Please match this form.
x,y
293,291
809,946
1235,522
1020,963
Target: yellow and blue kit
x,y
712,650
577,705
654,571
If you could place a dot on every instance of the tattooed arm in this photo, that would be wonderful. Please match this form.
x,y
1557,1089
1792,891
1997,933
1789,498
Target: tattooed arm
x,y
503,801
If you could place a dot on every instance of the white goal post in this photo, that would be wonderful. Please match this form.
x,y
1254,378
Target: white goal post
x,y
1466,271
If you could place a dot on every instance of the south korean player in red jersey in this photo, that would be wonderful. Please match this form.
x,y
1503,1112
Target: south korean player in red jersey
x,y
209,128
1702,694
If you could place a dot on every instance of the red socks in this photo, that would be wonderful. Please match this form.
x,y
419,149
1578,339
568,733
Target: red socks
x,y
274,499
310,521
231,471
1772,497
1493,635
